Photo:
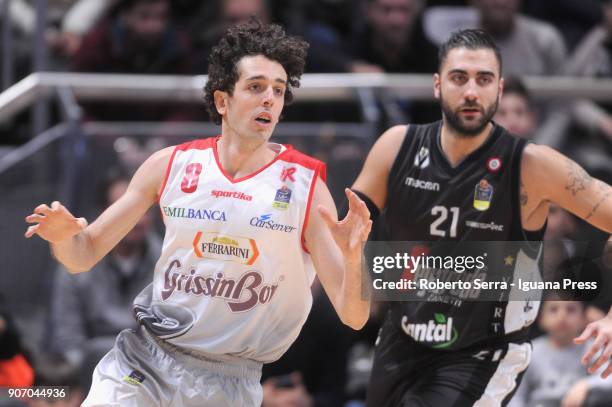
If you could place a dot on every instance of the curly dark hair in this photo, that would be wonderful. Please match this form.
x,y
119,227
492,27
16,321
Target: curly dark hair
x,y
250,39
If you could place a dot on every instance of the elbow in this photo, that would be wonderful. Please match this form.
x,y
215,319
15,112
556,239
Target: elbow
x,y
355,322
76,269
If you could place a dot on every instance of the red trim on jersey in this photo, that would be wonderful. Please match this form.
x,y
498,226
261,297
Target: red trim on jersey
x,y
199,144
236,180
320,171
168,168
307,161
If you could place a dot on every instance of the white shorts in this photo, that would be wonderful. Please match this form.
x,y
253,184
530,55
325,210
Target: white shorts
x,y
143,370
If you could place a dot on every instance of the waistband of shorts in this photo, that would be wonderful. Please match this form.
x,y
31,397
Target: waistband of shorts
x,y
226,365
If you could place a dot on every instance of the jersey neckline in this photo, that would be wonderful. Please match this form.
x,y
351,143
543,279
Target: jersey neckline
x,y
470,158
283,150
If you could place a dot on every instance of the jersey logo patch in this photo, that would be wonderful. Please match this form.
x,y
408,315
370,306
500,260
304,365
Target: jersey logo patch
x,y
136,377
494,164
282,198
287,174
190,180
483,195
422,158
211,245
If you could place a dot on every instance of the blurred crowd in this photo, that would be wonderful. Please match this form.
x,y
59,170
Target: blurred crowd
x,y
328,365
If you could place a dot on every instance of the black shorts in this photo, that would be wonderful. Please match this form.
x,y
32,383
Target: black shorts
x,y
408,374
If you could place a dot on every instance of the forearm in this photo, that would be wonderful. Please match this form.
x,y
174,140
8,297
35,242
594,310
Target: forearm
x,y
75,253
354,302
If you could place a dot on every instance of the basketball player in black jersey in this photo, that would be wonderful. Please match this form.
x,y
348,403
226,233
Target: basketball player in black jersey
x,y
467,179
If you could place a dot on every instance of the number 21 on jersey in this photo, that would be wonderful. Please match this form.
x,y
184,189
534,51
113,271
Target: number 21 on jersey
x,y
439,227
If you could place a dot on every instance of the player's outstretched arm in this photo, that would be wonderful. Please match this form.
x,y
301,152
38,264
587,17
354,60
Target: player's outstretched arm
x,y
79,246
336,248
552,177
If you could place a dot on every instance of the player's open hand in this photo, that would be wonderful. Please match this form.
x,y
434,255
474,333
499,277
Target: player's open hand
x,y
54,224
601,330
351,232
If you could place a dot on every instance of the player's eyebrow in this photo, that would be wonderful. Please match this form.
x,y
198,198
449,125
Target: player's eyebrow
x,y
463,71
260,77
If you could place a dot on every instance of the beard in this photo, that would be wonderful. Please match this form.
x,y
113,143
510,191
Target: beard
x,y
468,128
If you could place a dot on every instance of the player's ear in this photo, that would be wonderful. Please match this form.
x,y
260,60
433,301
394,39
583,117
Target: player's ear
x,y
220,101
436,79
501,89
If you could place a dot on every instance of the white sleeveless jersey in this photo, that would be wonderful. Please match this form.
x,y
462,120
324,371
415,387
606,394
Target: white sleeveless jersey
x,y
234,276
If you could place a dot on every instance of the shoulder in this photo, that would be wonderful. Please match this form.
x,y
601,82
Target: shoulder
x,y
537,159
166,155
390,142
295,156
199,144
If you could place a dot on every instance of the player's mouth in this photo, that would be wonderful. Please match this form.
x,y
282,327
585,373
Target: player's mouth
x,y
470,111
264,119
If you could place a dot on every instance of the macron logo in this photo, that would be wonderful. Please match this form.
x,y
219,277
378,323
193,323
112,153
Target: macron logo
x,y
420,184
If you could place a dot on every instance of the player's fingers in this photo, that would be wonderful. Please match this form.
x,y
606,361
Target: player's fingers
x,y
42,209
607,372
603,358
353,199
356,204
82,222
55,205
593,349
326,216
586,334
364,209
34,218
367,230
31,230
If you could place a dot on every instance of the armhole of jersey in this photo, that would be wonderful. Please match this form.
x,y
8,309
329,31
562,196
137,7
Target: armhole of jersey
x,y
168,169
320,172
518,232
394,172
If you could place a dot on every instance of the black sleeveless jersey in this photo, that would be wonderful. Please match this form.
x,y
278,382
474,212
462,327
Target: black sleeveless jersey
x,y
478,200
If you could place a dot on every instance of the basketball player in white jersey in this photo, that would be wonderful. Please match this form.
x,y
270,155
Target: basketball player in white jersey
x,y
247,224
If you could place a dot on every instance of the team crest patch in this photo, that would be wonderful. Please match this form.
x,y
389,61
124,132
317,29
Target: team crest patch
x,y
282,198
135,378
422,158
483,195
494,164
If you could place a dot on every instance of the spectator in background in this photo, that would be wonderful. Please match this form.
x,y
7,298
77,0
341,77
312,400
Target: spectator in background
x,y
76,22
528,46
516,111
66,23
573,18
15,370
313,371
555,375
88,310
391,40
140,39
593,58
214,18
